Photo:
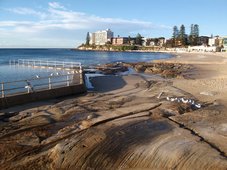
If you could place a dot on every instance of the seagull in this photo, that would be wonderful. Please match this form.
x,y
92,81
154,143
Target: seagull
x,y
57,74
37,76
51,74
198,105
68,72
172,99
27,87
184,100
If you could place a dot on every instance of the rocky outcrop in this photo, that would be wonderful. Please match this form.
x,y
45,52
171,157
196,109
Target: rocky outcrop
x,y
114,131
166,70
113,68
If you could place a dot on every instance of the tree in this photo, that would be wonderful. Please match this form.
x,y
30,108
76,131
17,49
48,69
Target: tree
x,y
194,34
129,40
196,30
175,35
182,35
139,39
88,38
175,32
182,31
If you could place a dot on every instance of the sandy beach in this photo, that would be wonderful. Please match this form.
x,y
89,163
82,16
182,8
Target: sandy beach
x,y
136,121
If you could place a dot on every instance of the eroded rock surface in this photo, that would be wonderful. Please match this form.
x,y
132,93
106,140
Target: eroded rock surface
x,y
166,70
129,129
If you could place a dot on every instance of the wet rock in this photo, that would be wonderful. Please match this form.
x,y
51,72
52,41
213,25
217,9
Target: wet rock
x,y
169,74
112,68
140,68
20,116
91,116
166,70
156,69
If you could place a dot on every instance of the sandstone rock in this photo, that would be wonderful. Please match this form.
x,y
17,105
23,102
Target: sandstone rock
x,y
140,68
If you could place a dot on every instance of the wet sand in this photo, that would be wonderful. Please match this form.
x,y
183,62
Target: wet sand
x,y
123,124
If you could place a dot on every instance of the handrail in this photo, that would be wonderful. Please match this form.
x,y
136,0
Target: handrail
x,y
35,87
32,79
36,84
45,63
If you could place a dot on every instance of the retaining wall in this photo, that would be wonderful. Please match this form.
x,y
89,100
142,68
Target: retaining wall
x,y
42,95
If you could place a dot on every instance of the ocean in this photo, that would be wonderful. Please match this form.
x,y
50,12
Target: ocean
x,y
87,58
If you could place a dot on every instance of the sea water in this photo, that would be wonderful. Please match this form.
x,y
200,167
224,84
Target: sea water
x,y
87,58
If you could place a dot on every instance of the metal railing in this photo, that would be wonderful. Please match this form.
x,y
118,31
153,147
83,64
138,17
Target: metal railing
x,y
39,84
42,83
46,63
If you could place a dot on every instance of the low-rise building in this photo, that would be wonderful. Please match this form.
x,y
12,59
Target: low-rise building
x,y
215,41
203,40
154,42
224,44
202,48
120,40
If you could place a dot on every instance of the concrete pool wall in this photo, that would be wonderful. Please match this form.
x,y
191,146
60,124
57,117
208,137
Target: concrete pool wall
x,y
42,95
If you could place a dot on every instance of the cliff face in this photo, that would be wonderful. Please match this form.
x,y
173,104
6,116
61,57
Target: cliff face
x,y
130,128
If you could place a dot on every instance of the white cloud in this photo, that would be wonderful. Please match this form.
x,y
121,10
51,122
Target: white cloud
x,y
14,24
27,11
56,5
62,21
57,18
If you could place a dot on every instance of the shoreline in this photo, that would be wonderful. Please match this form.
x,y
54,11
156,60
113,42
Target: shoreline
x,y
202,62
152,51
127,121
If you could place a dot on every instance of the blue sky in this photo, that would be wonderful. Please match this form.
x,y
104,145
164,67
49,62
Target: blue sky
x,y
65,23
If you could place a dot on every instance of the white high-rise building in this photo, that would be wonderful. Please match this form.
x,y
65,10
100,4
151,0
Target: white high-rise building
x,y
101,37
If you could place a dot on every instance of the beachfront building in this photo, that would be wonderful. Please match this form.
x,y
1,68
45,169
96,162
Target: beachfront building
x,y
214,41
92,38
161,41
154,42
123,40
224,44
202,48
120,40
101,37
203,40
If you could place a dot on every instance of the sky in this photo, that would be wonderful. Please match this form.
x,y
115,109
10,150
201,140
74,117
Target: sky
x,y
65,23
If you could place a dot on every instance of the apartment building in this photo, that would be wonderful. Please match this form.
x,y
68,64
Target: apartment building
x,y
120,40
101,37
